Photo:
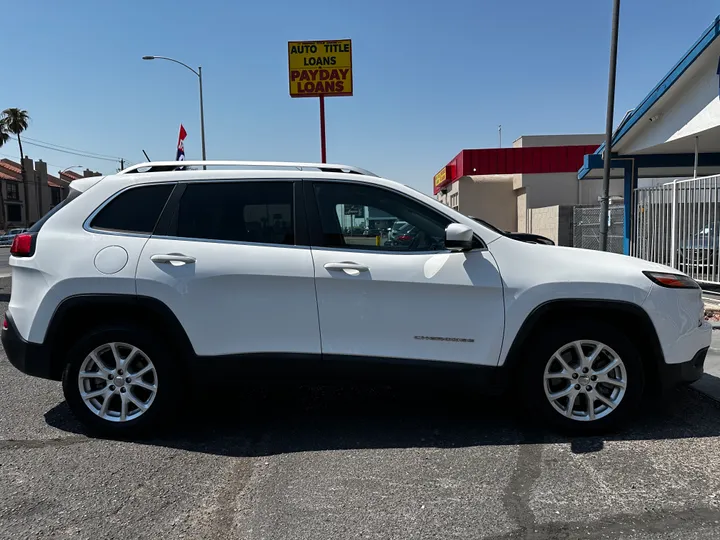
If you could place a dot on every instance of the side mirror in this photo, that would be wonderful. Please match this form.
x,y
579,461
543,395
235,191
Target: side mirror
x,y
458,237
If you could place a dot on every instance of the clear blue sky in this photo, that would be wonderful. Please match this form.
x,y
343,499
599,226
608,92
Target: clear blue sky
x,y
431,77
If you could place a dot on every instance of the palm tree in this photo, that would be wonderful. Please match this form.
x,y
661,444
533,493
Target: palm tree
x,y
4,137
14,121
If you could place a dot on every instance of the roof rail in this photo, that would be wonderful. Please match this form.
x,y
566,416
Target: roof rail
x,y
158,166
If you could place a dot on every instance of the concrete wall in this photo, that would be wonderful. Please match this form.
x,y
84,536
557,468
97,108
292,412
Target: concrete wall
x,y
521,205
489,197
43,188
590,190
32,180
554,222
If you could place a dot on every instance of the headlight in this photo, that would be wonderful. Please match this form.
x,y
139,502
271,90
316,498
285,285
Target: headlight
x,y
672,281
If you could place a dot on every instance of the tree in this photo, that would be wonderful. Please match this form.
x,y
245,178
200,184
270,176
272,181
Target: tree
x,y
4,137
14,121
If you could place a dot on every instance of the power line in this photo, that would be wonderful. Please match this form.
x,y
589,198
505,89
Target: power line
x,y
26,138
81,154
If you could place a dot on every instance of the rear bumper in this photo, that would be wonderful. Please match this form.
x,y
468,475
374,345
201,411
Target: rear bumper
x,y
30,358
685,373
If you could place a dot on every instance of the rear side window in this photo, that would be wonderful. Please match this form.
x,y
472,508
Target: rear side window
x,y
135,210
259,212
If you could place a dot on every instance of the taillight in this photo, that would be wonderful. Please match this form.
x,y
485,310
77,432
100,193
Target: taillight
x,y
22,245
5,323
404,237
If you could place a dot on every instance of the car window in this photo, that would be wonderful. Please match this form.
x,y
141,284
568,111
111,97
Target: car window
x,y
260,212
134,210
398,225
347,210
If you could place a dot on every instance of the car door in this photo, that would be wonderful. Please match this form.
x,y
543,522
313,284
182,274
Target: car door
x,y
227,261
381,298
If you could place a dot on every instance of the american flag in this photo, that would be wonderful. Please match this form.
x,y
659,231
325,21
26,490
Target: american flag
x,y
180,156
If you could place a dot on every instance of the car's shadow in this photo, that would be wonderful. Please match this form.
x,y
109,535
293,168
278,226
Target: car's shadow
x,y
268,420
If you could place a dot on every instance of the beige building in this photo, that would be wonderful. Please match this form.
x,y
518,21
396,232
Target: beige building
x,y
530,187
44,191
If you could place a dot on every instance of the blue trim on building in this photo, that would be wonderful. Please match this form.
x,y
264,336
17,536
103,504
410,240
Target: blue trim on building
x,y
630,183
657,161
710,34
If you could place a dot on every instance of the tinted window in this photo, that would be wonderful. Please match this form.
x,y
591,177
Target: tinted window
x,y
393,222
135,210
259,212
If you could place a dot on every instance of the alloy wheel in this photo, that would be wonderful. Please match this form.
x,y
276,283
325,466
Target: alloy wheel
x,y
118,382
585,380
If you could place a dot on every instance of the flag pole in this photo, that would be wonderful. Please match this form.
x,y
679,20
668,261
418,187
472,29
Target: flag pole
x,y
323,149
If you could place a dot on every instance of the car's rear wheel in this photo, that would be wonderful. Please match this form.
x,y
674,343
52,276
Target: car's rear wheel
x,y
118,381
584,376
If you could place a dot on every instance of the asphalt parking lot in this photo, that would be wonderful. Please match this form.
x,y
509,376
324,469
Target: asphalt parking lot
x,y
4,261
338,463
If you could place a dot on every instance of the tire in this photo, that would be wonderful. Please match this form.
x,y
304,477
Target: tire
x,y
542,393
161,375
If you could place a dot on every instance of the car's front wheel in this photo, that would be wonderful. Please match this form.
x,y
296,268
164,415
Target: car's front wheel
x,y
584,376
118,381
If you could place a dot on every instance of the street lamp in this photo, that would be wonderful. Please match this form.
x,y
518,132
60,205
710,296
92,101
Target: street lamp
x,y
66,169
197,73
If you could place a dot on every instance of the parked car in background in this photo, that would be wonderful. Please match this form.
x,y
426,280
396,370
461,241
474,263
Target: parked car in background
x,y
7,238
699,250
523,237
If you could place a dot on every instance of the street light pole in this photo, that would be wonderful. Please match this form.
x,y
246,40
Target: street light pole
x,y
605,198
202,115
198,74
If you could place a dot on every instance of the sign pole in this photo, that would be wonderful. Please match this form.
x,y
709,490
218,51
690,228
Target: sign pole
x,y
323,149
320,69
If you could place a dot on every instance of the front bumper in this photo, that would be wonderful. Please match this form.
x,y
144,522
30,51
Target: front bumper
x,y
30,358
673,375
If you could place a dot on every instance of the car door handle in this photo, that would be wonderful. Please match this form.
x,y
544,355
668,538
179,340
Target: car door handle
x,y
171,258
346,266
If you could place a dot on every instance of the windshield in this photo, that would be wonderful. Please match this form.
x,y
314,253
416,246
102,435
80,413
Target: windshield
x,y
488,225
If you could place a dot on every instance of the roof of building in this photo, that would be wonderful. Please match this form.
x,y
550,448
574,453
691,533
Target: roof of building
x,y
54,181
71,175
10,170
10,165
524,160
680,71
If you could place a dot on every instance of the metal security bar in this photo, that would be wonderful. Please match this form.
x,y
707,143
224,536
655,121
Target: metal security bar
x,y
586,228
677,224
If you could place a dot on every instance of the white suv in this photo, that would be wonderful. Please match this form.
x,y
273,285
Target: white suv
x,y
140,278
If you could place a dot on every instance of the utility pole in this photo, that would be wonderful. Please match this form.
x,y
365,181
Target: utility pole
x,y
500,136
605,198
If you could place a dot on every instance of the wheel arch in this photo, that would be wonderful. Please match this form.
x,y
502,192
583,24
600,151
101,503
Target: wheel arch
x,y
616,312
76,314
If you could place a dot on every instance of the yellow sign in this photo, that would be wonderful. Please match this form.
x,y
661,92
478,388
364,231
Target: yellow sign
x,y
320,68
440,177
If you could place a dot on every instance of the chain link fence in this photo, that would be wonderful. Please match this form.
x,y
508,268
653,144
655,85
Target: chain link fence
x,y
586,228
